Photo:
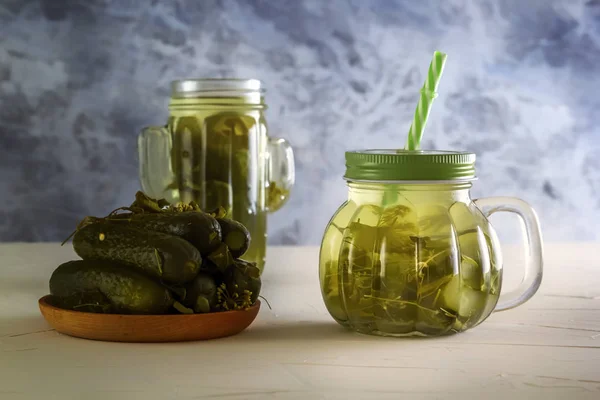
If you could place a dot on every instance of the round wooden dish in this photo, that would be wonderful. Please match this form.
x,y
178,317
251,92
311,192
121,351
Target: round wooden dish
x,y
147,328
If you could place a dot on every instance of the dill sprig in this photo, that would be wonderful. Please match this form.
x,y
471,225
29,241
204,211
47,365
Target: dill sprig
x,y
233,301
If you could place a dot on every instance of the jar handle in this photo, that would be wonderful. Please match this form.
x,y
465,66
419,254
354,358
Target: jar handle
x,y
281,174
154,158
534,252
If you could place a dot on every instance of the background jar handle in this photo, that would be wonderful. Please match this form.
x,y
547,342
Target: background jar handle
x,y
534,252
154,158
281,174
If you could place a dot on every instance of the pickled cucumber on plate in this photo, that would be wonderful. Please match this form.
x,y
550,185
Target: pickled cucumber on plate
x,y
235,235
240,287
105,286
163,256
197,227
201,294
218,261
157,246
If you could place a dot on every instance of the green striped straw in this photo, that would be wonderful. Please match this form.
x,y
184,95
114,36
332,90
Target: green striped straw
x,y
428,94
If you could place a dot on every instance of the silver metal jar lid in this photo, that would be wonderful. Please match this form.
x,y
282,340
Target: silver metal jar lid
x,y
186,88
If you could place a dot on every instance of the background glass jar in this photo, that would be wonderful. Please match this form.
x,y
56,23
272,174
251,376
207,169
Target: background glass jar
x,y
215,150
409,252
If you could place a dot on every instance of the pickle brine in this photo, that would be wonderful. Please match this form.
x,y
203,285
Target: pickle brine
x,y
420,265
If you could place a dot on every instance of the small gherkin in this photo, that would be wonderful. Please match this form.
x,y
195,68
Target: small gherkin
x,y
241,286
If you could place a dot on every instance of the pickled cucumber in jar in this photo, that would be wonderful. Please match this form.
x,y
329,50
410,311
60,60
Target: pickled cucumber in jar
x,y
215,151
405,270
213,159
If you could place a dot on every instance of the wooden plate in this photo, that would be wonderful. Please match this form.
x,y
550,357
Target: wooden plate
x,y
147,328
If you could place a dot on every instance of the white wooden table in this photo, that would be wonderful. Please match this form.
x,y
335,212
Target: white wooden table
x,y
547,349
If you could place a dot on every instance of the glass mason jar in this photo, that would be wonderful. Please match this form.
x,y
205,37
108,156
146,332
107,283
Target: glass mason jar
x,y
215,150
409,252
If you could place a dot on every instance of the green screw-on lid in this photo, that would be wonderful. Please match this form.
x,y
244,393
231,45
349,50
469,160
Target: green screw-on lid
x,y
409,165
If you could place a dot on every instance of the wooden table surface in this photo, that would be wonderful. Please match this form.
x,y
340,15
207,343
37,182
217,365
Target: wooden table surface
x,y
548,348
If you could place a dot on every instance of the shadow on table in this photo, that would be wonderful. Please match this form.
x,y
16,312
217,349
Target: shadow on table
x,y
318,330
306,331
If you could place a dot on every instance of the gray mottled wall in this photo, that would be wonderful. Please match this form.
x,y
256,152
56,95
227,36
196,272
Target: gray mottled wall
x,y
79,78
